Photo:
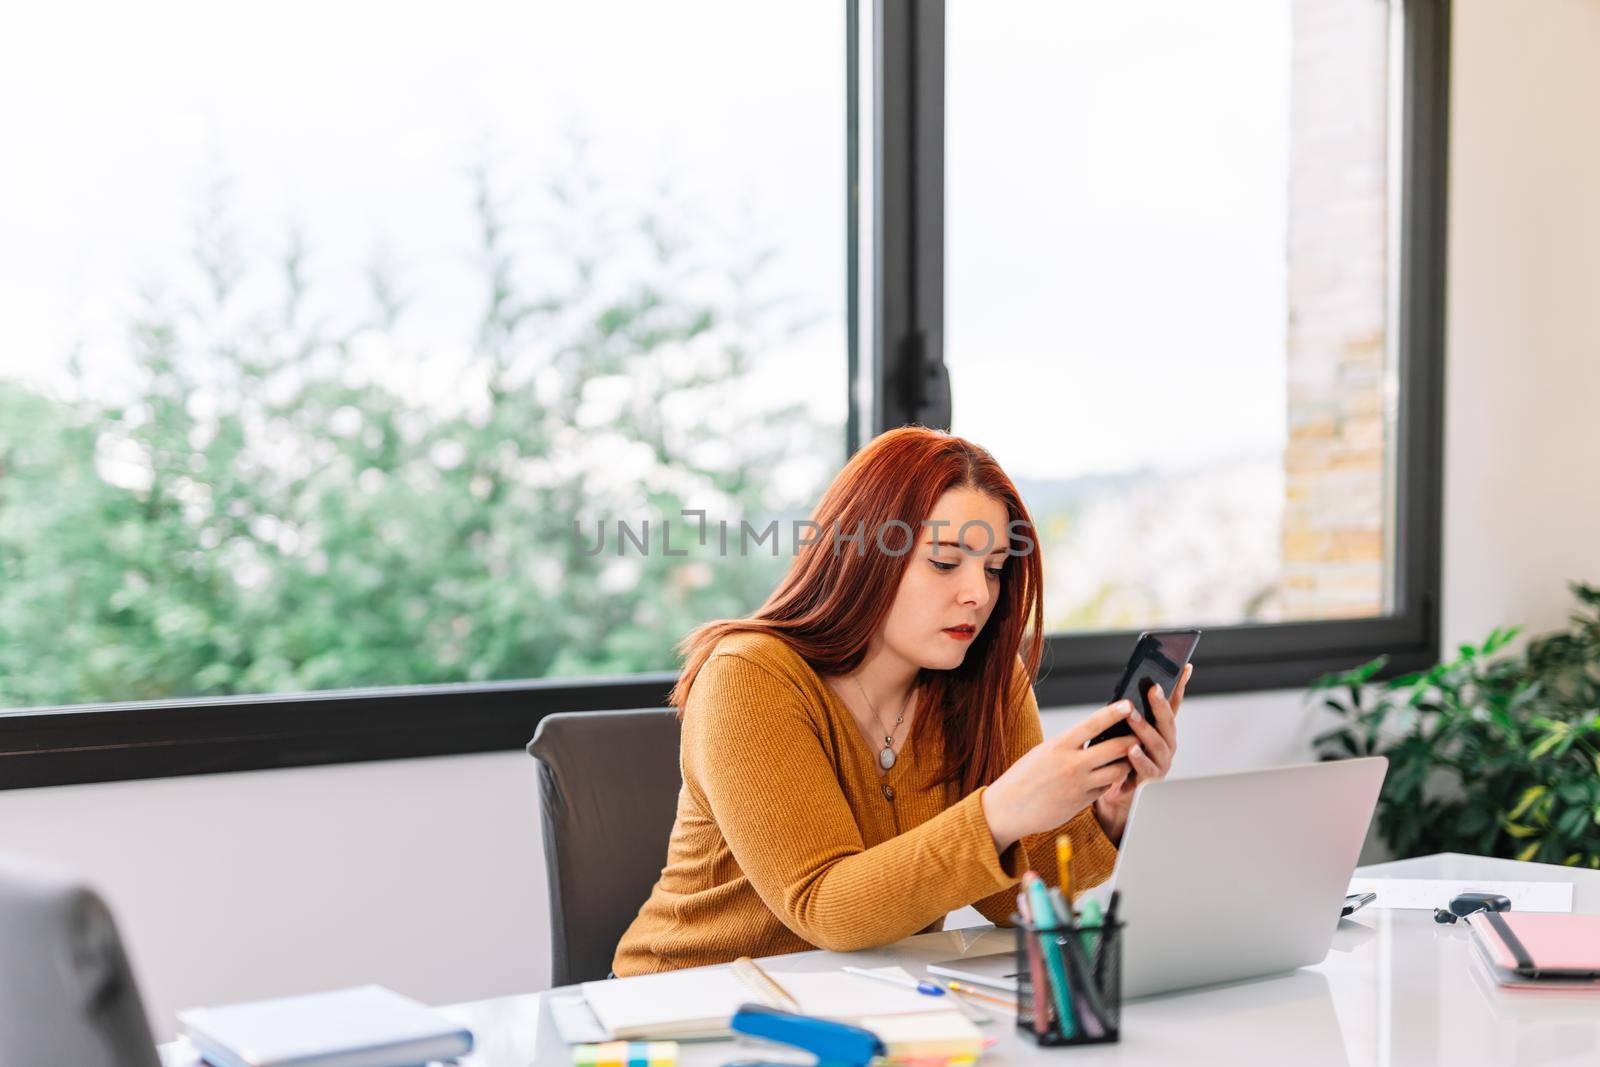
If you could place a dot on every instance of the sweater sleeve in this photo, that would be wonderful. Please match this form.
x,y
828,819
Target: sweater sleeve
x,y
754,754
1093,854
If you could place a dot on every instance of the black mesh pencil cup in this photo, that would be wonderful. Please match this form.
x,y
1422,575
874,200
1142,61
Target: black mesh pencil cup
x,y
1069,983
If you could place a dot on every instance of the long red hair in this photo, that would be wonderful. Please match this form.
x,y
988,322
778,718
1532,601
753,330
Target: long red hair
x,y
832,600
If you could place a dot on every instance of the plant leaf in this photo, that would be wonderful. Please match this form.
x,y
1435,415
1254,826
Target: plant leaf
x,y
1546,743
1524,802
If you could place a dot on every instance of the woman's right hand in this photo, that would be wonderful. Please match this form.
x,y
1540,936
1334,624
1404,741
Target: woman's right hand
x,y
1057,778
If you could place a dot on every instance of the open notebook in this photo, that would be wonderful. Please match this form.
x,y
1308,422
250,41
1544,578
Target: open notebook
x,y
699,1003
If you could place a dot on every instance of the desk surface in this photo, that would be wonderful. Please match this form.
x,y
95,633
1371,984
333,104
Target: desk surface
x,y
1396,989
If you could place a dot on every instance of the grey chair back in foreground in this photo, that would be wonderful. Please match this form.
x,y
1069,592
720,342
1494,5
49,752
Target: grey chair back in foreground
x,y
67,994
608,787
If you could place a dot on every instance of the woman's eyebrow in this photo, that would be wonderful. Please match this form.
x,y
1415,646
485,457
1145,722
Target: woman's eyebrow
x,y
958,544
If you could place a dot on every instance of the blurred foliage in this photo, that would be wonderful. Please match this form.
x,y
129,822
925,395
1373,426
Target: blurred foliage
x,y
265,513
1491,753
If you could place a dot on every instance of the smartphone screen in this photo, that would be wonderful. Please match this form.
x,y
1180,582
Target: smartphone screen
x,y
1159,657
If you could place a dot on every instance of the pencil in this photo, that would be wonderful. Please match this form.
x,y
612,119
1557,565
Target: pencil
x,y
1064,869
973,991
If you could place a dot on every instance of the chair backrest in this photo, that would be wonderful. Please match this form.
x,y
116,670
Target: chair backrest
x,y
608,786
67,994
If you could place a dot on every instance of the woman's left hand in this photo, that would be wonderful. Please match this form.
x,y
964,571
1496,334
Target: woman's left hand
x,y
1151,758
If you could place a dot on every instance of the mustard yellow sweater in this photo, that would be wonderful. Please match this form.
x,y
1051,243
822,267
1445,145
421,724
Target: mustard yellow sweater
x,y
788,839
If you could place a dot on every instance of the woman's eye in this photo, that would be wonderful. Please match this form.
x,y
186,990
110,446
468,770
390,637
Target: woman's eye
x,y
993,572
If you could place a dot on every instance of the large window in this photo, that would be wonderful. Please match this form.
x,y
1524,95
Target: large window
x,y
362,371
1179,258
324,326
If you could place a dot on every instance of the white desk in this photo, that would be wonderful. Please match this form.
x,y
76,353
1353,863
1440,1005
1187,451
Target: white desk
x,y
1396,990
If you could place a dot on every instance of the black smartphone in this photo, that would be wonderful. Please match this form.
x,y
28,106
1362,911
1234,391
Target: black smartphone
x,y
1159,657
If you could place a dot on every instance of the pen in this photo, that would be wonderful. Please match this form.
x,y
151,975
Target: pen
x,y
973,991
1091,1008
1044,917
927,988
1093,926
1041,991
1107,929
1068,918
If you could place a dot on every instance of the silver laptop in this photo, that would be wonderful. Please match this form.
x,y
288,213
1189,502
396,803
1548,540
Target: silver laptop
x,y
1228,877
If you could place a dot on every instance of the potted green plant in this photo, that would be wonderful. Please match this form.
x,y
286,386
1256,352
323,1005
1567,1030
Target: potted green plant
x,y
1493,752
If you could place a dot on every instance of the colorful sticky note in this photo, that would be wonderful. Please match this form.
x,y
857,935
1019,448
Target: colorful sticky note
x,y
626,1054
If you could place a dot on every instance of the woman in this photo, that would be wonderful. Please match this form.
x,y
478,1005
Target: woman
x,y
863,754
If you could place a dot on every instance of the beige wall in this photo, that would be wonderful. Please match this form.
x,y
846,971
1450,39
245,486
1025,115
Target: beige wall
x,y
233,886
1522,438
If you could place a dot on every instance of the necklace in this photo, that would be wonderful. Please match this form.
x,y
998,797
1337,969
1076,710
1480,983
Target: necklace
x,y
886,756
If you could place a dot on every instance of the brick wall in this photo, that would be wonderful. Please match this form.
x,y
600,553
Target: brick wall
x,y
1334,464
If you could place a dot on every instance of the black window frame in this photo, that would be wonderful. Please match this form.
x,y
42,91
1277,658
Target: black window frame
x,y
909,305
904,366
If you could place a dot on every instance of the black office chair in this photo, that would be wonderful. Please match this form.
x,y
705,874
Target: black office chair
x,y
608,786
67,995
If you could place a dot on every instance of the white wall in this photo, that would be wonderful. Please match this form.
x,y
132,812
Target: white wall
x,y
424,875
242,885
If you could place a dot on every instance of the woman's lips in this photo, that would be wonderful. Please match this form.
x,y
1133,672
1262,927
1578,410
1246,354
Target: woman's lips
x,y
961,633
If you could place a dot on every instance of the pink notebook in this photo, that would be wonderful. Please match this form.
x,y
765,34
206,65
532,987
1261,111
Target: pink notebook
x,y
1541,945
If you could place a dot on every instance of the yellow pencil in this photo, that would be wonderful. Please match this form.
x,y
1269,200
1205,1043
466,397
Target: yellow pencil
x,y
1064,867
979,994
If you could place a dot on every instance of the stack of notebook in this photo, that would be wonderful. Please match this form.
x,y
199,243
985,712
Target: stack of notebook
x,y
368,1026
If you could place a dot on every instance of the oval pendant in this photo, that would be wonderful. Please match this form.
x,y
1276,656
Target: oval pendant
x,y
886,758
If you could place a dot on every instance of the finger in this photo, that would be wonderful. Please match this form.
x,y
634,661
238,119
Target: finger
x,y
1106,778
1163,714
1182,687
1151,740
1147,769
1092,727
1110,751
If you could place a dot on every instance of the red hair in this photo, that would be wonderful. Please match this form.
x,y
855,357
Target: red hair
x,y
833,600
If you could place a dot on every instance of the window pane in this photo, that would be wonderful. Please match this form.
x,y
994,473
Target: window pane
x,y
1168,304
325,323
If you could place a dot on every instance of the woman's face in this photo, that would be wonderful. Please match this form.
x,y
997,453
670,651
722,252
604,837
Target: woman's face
x,y
951,581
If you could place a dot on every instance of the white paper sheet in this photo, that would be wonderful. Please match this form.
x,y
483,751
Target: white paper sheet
x,y
1430,893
